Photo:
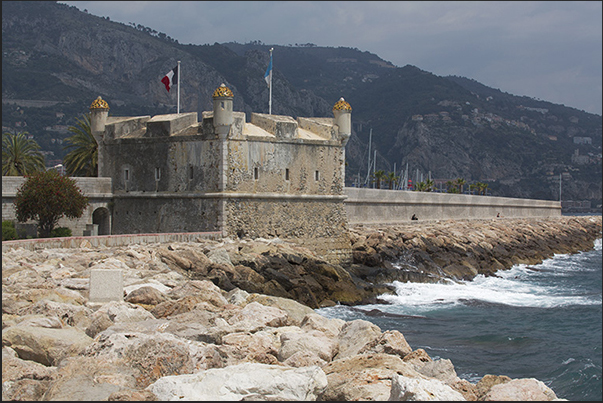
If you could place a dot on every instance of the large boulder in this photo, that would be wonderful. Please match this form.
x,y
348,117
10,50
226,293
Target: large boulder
x,y
441,369
354,336
364,377
146,296
390,342
70,314
205,290
24,380
520,390
404,389
487,381
313,341
253,346
47,346
90,379
255,316
295,311
247,381
330,327
124,312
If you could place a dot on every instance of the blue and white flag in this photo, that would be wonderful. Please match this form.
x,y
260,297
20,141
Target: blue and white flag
x,y
268,74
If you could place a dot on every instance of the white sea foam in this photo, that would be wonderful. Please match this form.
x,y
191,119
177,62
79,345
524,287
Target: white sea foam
x,y
522,286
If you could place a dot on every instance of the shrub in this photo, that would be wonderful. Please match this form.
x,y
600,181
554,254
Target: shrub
x,y
8,231
46,197
60,232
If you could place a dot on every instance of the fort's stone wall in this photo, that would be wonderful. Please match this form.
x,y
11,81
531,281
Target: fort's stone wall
x,y
140,214
296,167
184,164
318,223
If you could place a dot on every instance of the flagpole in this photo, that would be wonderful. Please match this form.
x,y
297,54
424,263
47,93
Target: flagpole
x,y
179,74
270,99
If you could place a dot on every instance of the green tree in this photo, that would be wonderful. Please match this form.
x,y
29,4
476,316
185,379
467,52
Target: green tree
x,y
482,188
426,186
46,197
429,185
379,176
82,160
451,187
8,231
460,182
20,155
392,179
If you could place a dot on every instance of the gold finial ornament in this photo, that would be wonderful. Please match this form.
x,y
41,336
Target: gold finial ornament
x,y
222,91
342,105
99,103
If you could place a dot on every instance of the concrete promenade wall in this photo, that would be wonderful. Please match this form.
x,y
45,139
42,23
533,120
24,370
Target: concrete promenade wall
x,y
106,240
378,206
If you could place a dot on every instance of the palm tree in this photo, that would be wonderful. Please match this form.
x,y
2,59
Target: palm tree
x,y
379,176
82,160
482,187
429,185
392,179
451,187
460,182
20,155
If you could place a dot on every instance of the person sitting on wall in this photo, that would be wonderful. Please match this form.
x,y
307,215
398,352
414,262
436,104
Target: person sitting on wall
x,y
414,217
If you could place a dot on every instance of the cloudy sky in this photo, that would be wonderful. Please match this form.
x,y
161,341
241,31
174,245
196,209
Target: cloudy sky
x,y
548,50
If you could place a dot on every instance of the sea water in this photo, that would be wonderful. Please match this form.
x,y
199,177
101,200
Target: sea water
x,y
541,321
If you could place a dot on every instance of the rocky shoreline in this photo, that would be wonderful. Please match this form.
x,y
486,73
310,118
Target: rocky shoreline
x,y
234,319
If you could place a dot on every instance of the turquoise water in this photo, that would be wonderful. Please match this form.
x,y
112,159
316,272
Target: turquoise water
x,y
541,321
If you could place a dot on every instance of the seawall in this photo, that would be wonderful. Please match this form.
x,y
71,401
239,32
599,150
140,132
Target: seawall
x,y
377,206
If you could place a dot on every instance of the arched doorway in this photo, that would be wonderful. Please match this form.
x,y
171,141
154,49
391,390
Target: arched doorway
x,y
101,217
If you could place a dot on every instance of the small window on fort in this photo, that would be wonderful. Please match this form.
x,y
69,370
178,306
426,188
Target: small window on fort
x,y
157,174
222,105
256,173
191,172
316,175
286,174
126,174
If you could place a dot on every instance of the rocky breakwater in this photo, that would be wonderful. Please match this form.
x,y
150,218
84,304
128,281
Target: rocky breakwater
x,y
185,330
433,251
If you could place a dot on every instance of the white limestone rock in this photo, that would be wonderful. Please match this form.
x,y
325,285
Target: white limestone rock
x,y
354,336
47,346
124,312
521,390
295,311
313,341
330,327
251,381
255,316
419,389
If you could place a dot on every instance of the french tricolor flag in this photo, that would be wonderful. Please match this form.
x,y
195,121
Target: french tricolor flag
x,y
170,78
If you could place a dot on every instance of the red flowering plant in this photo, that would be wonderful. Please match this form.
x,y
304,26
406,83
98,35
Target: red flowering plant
x,y
46,197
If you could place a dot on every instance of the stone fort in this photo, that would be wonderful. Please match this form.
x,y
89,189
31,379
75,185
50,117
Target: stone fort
x,y
273,176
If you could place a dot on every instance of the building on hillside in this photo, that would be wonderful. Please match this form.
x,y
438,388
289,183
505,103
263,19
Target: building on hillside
x,y
273,176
